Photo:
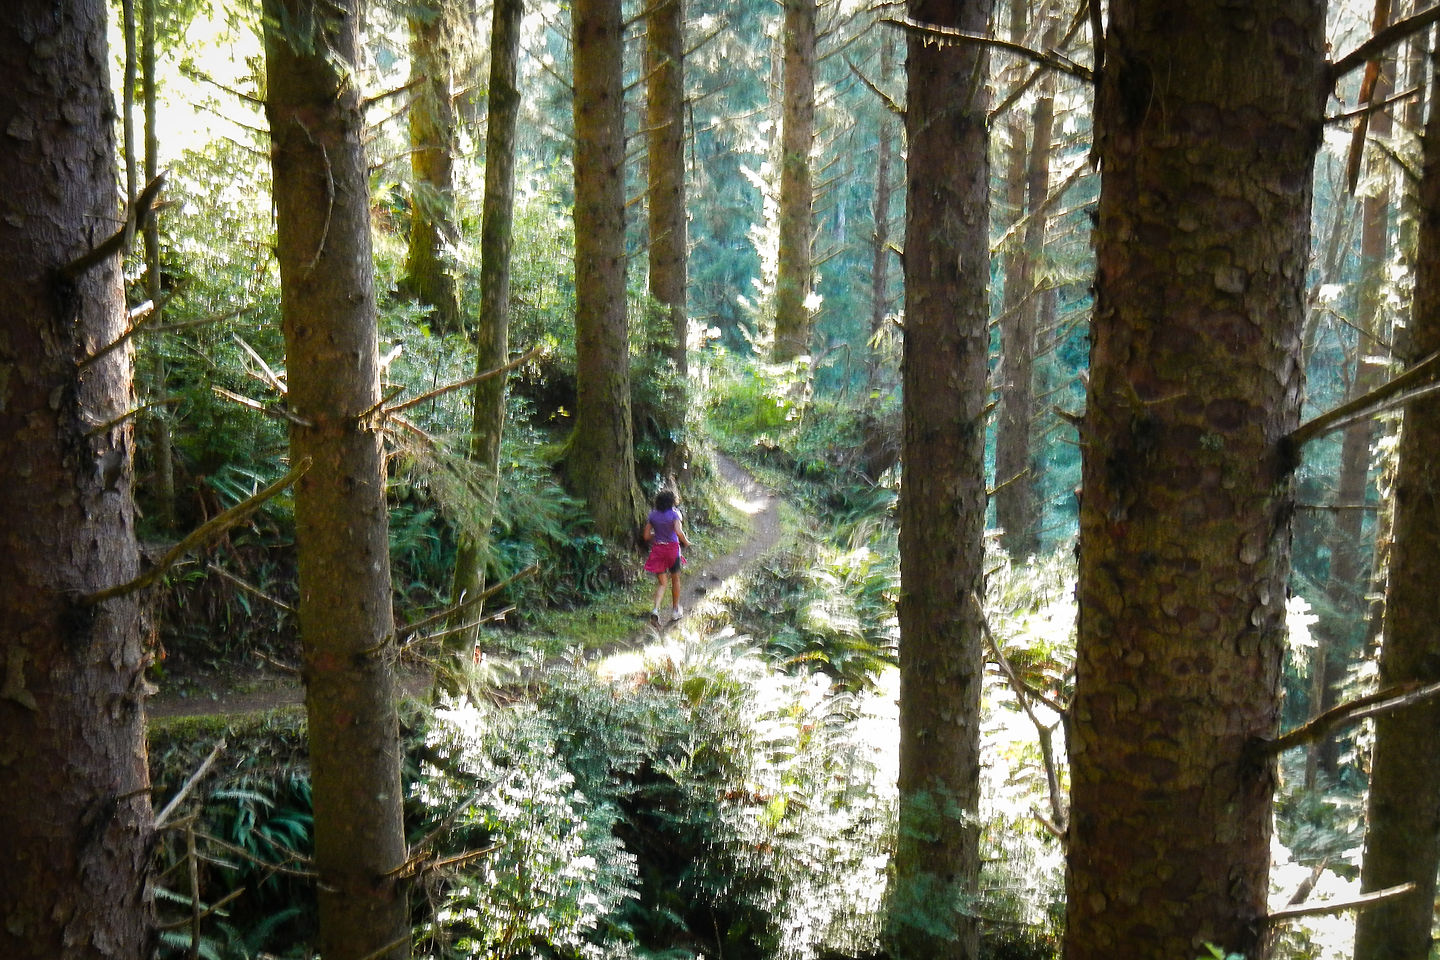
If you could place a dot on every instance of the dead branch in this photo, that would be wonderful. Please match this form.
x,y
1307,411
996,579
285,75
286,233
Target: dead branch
x,y
200,536
370,101
109,425
184,791
410,630
1023,693
270,410
248,587
1361,902
1375,402
519,361
136,217
1383,39
1054,61
188,921
1386,701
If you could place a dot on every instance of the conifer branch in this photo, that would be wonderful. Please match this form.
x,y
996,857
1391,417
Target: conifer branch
x,y
1383,39
1361,902
1054,61
1362,708
1393,393
184,791
136,217
409,630
200,536
519,361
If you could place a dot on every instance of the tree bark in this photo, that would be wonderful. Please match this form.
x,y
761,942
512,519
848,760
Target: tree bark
x,y
1202,242
942,501
665,125
797,197
600,460
328,310
1403,839
492,335
76,804
429,267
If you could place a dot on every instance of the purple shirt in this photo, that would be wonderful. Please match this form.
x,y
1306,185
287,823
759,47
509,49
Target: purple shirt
x,y
663,523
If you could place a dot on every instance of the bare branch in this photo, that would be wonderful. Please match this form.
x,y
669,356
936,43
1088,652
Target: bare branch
x,y
136,217
1391,35
1386,701
184,791
1054,61
409,630
200,536
1393,393
519,361
1340,906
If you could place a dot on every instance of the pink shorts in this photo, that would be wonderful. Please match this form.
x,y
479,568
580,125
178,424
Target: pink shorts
x,y
664,558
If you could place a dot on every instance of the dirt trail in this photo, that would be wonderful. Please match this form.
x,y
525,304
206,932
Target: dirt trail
x,y
247,690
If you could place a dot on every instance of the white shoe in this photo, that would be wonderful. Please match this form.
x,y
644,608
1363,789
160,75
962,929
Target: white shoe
x,y
676,614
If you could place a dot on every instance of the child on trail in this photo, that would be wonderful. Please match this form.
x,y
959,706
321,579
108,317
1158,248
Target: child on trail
x,y
664,531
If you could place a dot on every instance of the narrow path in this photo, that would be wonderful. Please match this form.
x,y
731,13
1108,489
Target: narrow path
x,y
760,504
249,691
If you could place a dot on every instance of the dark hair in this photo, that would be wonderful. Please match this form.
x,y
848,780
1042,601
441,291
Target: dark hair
x,y
664,500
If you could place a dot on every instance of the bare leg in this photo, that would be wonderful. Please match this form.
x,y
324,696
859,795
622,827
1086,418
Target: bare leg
x,y
660,579
675,589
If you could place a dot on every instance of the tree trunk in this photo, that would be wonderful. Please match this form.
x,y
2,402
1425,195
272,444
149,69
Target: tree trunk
x,y
1403,840
429,267
665,123
341,521
601,458
1015,493
880,245
76,805
797,198
492,335
942,502
1341,631
162,447
1202,241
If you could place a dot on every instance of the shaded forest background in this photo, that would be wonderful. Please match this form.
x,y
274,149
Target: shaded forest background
x,y
729,787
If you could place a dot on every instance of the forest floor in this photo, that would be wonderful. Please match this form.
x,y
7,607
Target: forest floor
x,y
255,688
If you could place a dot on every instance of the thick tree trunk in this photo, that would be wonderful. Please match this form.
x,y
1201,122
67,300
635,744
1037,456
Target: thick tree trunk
x,y
492,336
665,123
797,197
601,458
942,501
1184,523
75,805
429,268
1403,840
346,626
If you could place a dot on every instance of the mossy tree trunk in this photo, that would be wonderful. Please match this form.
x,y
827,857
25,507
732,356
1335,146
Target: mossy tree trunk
x,y
321,192
492,333
793,268
76,804
932,905
1195,381
600,459
1402,843
665,126
430,263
